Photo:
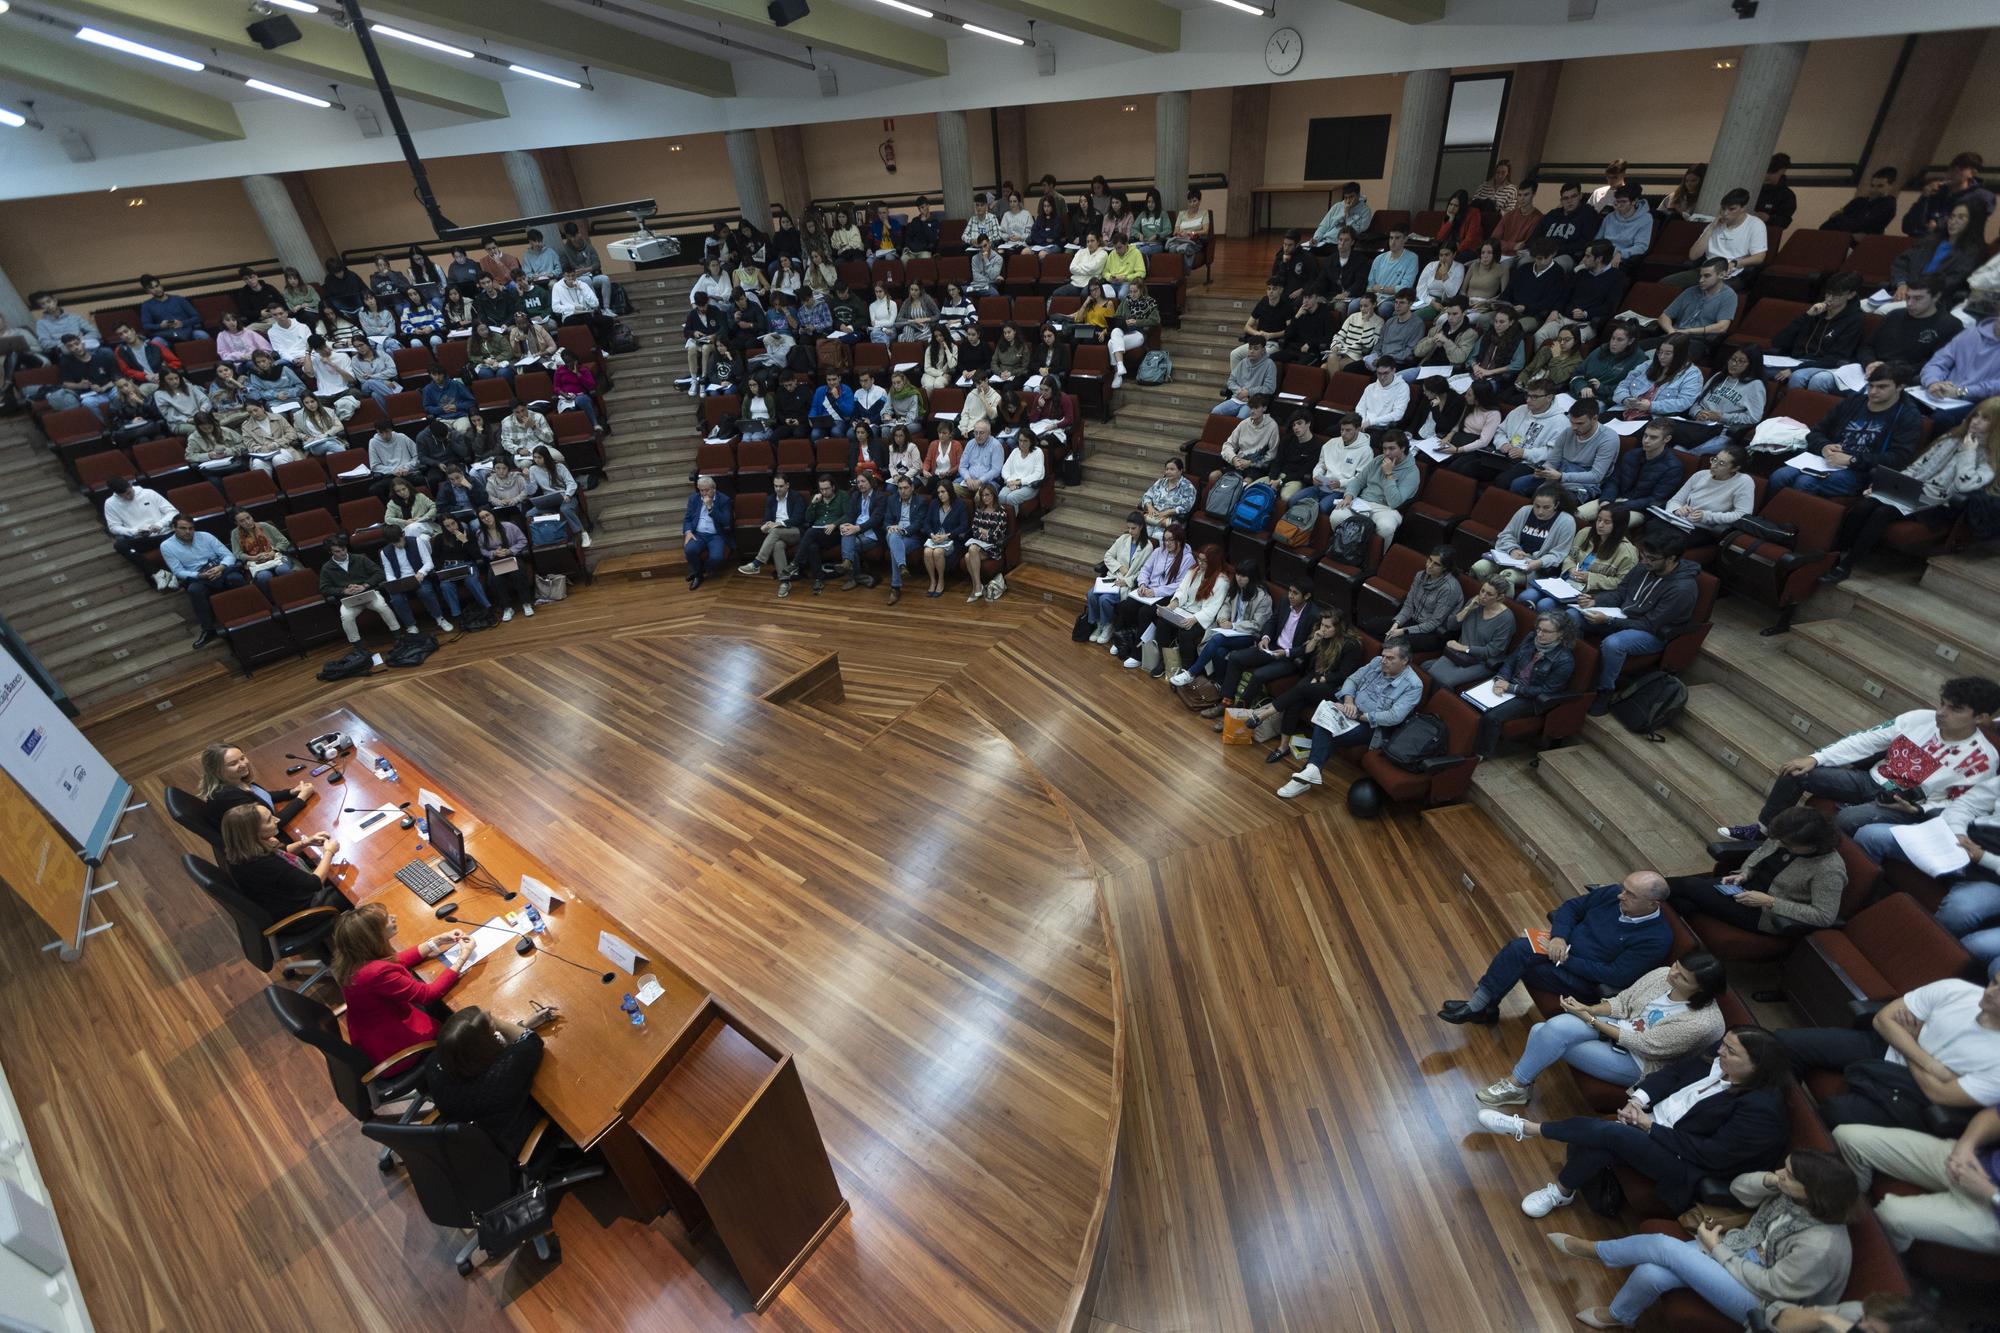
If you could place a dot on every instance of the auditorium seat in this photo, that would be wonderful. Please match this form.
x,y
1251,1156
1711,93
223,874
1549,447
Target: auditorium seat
x,y
310,619
1449,775
1887,949
253,627
254,491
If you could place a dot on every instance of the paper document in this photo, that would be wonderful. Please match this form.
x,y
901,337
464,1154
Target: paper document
x,y
1033,384
1459,383
1881,296
1562,589
1362,506
1608,612
1808,462
288,405
358,470
1505,561
529,361
1433,372
1775,362
1563,403
904,365
490,938
1481,696
1932,400
1666,516
1106,585
1431,449
1044,427
1625,427
1932,847
1173,615
1329,716
1637,318
1852,378
1144,600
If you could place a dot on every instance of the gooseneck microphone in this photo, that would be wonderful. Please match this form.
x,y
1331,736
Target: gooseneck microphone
x,y
528,937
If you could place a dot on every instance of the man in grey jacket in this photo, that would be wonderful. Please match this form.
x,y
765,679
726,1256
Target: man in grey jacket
x,y
1578,459
1255,374
1656,601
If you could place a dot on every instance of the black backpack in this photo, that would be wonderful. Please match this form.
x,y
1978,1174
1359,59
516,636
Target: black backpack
x,y
476,618
410,650
622,339
355,663
1421,738
1649,703
1350,542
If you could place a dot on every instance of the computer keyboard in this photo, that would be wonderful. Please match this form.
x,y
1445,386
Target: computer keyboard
x,y
422,878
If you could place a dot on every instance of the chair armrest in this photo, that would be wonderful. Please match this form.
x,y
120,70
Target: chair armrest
x,y
1438,763
391,1061
1714,1191
1730,855
534,1141
1861,1013
309,914
1947,1122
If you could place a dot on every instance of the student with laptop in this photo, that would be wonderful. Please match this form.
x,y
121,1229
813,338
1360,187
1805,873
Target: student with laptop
x,y
1930,491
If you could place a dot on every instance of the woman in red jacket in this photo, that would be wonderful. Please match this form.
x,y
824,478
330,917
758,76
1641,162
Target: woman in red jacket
x,y
389,1008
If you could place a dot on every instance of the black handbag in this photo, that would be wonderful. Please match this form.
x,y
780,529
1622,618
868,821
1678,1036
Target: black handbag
x,y
1082,629
1763,529
507,1224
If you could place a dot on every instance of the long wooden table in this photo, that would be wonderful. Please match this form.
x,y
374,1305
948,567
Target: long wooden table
x,y
599,1071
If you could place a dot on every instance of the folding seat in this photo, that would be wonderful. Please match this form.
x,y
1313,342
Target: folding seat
x,y
72,433
1335,583
1294,564
951,236
718,463
576,440
1064,307
1683,648
108,318
304,484
1443,502
254,491
749,516
1783,575
1733,944
755,462
361,426
537,388
921,270
1202,527
1300,384
1021,273
413,365
1837,976
854,272
1764,321
309,530
1669,253
161,462
1807,406
994,311
1445,777
954,268
1872,257
494,396
889,273
1474,537
1090,375
198,359
1650,299
338,466
872,357
405,410
254,628
211,307
361,520
1054,272
309,618
1797,269
1381,595
1166,283
95,472
830,459
452,358
202,502
795,461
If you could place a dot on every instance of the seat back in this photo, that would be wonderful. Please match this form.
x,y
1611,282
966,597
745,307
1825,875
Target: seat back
x,y
1905,944
1766,320
1030,312
1448,492
95,472
1810,250
314,1024
1649,298
457,1170
191,813
1872,256
246,489
1399,568
298,589
249,919
1344,390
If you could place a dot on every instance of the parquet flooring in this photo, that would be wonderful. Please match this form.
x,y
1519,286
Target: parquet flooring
x,y
917,916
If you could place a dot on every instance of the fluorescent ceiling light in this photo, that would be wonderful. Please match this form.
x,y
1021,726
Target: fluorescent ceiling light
x,y
1248,9
4,6
13,120
132,48
386,31
300,5
996,36
546,78
276,91
907,9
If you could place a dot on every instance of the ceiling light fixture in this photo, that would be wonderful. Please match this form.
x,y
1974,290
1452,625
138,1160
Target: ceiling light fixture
x,y
13,120
276,91
298,6
132,48
996,36
1246,8
907,9
546,78
383,30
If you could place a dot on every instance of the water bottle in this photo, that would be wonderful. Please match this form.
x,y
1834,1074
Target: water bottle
x,y
536,925
631,1007
384,769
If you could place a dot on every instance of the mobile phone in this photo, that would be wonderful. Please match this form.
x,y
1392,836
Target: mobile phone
x,y
317,771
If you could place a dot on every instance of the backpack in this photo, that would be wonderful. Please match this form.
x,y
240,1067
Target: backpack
x,y
547,530
1421,737
1254,507
1222,493
1350,542
476,618
1295,529
1155,367
410,650
1650,703
621,304
622,339
355,663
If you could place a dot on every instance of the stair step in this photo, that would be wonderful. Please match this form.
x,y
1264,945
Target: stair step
x,y
69,552
126,597
94,687
1596,792
112,638
1683,777
1973,576
1559,845
33,516
1885,673
1051,548
1737,734
1956,632
1784,688
1121,469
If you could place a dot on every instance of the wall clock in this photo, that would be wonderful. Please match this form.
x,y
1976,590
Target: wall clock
x,y
1284,50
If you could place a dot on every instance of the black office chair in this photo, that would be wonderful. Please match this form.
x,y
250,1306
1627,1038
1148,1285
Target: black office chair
x,y
459,1173
191,813
299,940
365,1090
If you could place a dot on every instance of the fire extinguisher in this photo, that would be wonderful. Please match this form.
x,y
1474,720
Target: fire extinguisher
x,y
889,155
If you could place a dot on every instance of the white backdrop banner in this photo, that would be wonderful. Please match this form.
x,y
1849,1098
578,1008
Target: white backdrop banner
x,y
60,770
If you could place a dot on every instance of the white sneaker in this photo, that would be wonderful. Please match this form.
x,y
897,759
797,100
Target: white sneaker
x,y
1131,664
508,614
444,626
527,610
1179,678
1499,1122
975,594
1113,649
1546,1200
1301,782
586,539
750,567
1504,1092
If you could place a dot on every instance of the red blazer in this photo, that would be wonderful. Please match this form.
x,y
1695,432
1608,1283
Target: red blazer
x,y
1470,232
385,1006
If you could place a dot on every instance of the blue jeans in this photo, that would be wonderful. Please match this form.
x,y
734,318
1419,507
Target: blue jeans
x,y
1229,407
1324,742
1569,1039
493,373
1659,1264
1098,606
1614,648
900,546
1325,496
1215,650
588,406
1543,605
1819,381
854,545
705,553
263,577
472,584
1832,485
1971,911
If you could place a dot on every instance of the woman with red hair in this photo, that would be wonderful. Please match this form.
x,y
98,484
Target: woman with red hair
x,y
1193,607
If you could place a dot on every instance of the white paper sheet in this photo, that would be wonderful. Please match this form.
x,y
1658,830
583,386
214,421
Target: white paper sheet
x,y
1506,561
617,952
1654,511
1808,462
1608,612
1932,400
490,938
1931,846
1559,588
1433,372
1777,362
1105,585
1329,716
1852,377
1481,696
1431,449
1625,427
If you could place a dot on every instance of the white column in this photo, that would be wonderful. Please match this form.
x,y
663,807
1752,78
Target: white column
x,y
1419,137
954,164
1170,149
531,188
746,166
272,203
1765,77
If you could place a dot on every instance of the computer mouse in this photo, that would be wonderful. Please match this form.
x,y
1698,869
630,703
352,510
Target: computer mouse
x,y
446,911
407,821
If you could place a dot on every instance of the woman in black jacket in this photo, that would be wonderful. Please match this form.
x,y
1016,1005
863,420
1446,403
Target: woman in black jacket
x,y
482,1073
1694,1118
1530,679
272,873
1048,355
226,783
1963,243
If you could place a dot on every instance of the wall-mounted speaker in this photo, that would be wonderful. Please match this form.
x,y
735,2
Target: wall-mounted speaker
x,y
273,32
784,12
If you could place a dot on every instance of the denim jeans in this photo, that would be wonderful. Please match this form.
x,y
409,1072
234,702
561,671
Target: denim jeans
x,y
1832,485
854,545
1212,653
1097,606
1659,1264
1569,1039
1325,496
1819,381
900,546
1971,911
1324,742
263,577
1229,407
472,584
1618,645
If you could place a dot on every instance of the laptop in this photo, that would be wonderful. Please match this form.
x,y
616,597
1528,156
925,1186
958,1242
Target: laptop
x,y
1897,488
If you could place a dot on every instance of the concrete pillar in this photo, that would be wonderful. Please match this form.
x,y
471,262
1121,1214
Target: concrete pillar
x,y
1419,138
1765,78
565,194
1170,149
1915,121
12,308
794,179
1531,104
1011,126
531,188
1249,132
299,187
954,163
746,167
289,237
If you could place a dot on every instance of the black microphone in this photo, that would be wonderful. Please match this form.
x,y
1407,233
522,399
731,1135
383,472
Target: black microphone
x,y
352,809
606,977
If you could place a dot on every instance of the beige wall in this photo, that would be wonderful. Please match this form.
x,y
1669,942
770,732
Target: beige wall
x,y
696,178
1975,126
1295,104
374,204
86,239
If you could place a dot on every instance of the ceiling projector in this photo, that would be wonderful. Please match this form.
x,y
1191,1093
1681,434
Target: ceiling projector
x,y
646,247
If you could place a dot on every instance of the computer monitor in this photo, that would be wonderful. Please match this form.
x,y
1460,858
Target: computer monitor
x,y
449,843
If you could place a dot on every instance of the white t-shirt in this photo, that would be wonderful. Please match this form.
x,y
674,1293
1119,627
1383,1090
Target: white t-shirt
x,y
1657,1011
1746,238
288,343
1949,1011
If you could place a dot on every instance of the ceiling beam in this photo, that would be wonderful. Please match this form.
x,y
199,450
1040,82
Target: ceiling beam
x,y
578,38
73,70
864,34
1404,11
1146,24
322,51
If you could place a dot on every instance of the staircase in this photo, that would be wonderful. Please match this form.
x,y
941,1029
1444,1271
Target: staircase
x,y
1149,424
1878,645
99,628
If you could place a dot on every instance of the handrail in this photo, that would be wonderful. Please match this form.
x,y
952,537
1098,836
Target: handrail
x,y
1650,173
1208,180
105,293
665,223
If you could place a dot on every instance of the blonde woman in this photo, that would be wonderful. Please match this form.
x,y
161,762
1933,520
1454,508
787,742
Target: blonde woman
x,y
226,783
273,873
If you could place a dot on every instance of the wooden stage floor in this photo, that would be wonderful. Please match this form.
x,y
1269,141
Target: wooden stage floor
x,y
911,888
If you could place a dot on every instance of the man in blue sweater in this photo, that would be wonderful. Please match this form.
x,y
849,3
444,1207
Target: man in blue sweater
x,y
1600,942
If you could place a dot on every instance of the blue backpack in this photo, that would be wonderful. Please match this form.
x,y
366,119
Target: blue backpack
x,y
1255,508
